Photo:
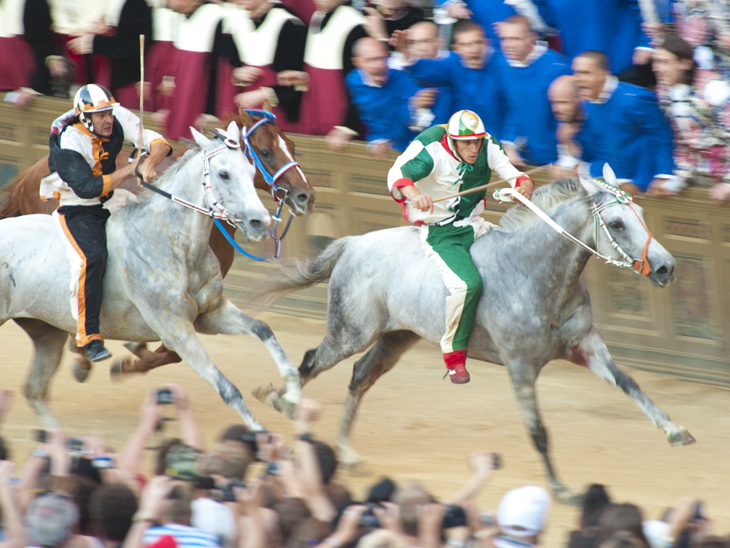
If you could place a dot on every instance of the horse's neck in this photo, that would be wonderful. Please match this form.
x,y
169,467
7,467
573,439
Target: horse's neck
x,y
188,228
555,262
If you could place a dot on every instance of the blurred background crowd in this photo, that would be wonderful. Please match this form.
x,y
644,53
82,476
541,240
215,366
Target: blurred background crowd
x,y
256,490
641,84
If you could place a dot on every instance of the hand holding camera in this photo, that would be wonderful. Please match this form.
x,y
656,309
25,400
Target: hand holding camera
x,y
484,462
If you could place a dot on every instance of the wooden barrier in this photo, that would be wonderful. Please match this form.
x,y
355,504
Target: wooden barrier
x,y
683,330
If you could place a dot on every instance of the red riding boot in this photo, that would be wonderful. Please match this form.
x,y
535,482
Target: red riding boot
x,y
456,364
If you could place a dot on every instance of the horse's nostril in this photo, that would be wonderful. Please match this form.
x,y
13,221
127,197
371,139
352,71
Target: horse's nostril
x,y
302,197
256,224
662,271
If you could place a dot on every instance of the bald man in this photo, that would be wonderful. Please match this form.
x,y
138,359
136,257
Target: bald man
x,y
564,102
386,99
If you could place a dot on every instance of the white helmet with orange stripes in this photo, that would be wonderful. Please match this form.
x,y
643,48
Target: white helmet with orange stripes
x,y
92,98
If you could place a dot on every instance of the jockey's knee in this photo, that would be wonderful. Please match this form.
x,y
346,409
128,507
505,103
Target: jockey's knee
x,y
474,285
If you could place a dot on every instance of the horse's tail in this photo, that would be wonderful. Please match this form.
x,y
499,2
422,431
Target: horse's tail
x,y
301,274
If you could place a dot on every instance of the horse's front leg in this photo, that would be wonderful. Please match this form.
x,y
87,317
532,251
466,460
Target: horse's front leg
x,y
592,351
229,319
523,376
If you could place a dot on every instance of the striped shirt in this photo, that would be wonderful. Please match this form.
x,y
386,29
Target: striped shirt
x,y
186,537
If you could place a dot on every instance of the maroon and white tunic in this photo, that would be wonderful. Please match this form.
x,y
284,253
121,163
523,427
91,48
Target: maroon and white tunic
x,y
191,70
16,57
160,57
325,103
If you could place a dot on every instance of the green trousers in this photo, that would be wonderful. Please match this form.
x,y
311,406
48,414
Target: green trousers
x,y
448,247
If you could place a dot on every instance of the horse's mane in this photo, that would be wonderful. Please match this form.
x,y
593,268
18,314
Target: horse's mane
x,y
545,197
173,170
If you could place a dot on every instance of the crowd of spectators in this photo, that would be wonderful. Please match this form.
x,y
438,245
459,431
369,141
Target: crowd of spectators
x,y
251,490
649,94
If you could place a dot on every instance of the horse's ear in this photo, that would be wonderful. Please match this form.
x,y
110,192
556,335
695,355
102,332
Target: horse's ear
x,y
588,184
246,119
609,176
267,106
233,131
199,138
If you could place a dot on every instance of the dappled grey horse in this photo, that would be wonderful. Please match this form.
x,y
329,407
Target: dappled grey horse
x,y
384,293
162,282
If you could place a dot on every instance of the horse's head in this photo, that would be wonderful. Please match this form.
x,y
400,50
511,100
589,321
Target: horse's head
x,y
275,153
228,178
621,232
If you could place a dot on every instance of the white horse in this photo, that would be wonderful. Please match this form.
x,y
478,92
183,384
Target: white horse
x,y
162,282
385,294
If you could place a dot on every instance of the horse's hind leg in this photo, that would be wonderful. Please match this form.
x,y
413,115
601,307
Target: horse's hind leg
x,y
48,342
380,359
592,351
146,360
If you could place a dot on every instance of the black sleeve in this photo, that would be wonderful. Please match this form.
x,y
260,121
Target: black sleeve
x,y
222,45
355,34
37,25
352,120
135,19
75,172
289,56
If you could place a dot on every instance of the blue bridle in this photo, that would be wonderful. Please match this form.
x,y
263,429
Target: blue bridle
x,y
266,117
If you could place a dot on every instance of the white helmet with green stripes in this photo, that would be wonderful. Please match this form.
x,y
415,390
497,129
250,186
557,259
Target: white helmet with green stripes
x,y
464,125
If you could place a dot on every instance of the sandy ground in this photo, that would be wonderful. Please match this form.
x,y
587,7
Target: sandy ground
x,y
413,425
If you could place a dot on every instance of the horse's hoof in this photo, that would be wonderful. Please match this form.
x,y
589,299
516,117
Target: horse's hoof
x,y
566,495
680,437
272,397
80,373
262,393
115,371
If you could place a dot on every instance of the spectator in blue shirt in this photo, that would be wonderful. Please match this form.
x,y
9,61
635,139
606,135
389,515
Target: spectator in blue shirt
x,y
471,72
625,124
386,99
529,69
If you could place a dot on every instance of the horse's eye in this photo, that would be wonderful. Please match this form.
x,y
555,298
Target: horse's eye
x,y
616,225
224,175
266,153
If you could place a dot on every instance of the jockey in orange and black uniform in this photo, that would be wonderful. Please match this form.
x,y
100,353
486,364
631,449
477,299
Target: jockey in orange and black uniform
x,y
84,145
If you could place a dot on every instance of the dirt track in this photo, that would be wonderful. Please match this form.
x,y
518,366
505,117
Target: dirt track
x,y
414,426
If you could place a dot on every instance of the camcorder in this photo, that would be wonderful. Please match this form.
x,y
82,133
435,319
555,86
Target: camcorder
x,y
181,463
164,396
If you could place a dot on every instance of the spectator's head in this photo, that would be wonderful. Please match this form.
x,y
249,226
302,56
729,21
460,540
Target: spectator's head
x,y
622,539
50,519
93,105
228,461
371,57
594,502
309,532
591,70
516,37
673,61
622,517
466,135
186,7
112,507
470,43
523,512
177,507
327,6
563,96
381,491
423,40
409,498
291,511
240,435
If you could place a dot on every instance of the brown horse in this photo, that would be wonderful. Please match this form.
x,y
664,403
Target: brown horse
x,y
273,149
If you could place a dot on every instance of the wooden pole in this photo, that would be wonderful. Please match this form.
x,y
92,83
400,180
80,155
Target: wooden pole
x,y
482,187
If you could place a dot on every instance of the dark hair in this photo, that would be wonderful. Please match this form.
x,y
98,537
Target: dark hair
x,y
622,518
598,57
3,449
381,491
112,507
594,501
291,511
677,46
327,460
161,458
465,25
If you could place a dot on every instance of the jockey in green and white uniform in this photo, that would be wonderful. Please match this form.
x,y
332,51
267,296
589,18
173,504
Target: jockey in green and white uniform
x,y
444,160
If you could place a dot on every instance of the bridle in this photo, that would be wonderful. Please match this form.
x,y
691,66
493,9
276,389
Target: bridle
x,y
278,193
213,208
640,265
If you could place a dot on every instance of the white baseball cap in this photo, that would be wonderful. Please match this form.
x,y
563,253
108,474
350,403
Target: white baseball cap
x,y
523,511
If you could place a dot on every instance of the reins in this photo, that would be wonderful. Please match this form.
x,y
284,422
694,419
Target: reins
x,y
640,266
